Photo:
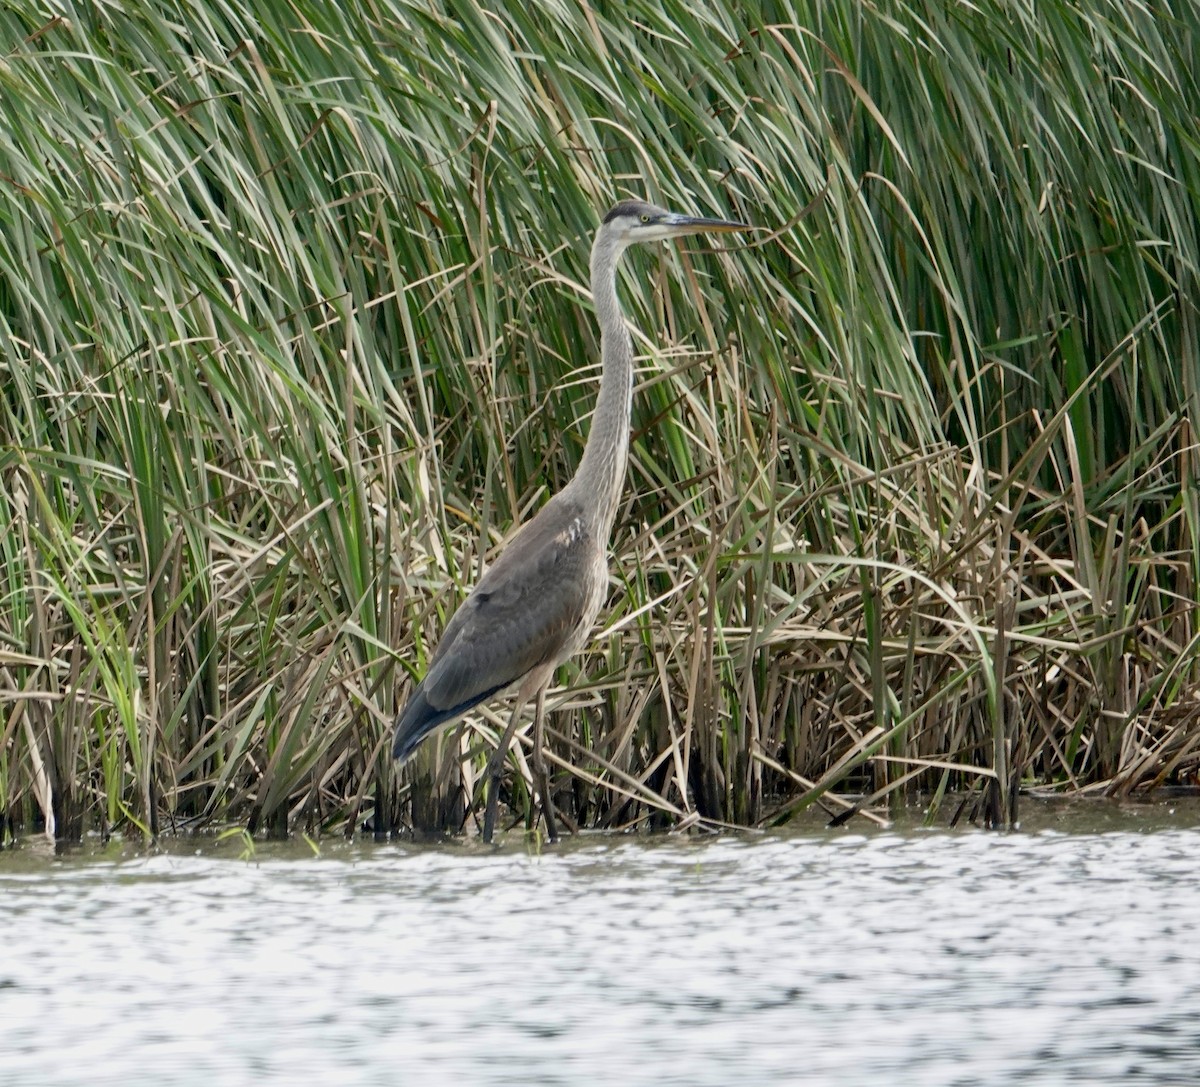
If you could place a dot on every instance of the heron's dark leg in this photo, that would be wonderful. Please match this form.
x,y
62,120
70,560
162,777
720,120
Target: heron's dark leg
x,y
492,773
539,766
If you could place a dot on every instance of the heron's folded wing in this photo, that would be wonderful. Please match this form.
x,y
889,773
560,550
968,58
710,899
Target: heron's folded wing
x,y
522,614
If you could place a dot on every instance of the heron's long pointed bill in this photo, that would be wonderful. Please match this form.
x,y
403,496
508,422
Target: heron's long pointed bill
x,y
691,224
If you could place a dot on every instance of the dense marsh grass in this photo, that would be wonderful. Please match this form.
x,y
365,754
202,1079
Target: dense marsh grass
x,y
295,328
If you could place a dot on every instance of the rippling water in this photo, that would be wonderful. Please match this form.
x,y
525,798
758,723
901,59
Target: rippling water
x,y
893,958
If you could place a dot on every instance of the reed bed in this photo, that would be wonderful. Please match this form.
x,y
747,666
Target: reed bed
x,y
295,328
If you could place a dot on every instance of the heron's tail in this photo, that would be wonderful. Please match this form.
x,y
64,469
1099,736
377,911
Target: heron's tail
x,y
419,718
416,721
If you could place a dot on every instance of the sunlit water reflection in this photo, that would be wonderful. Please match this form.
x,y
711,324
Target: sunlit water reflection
x,y
893,958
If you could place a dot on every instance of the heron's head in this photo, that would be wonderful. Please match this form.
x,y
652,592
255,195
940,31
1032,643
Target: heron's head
x,y
631,221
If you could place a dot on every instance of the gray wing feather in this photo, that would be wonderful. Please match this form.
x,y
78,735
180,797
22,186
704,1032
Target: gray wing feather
x,y
523,613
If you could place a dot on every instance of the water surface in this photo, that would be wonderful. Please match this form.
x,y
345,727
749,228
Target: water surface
x,y
1066,953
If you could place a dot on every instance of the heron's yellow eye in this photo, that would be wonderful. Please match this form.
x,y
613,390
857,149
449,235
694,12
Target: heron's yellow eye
x,y
645,218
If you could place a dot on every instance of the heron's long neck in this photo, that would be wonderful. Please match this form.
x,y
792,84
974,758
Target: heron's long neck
x,y
601,474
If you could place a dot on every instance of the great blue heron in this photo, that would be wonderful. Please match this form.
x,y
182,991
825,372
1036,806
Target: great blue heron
x,y
535,606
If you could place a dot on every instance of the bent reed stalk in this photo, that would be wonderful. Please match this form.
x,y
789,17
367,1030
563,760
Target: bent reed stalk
x,y
289,292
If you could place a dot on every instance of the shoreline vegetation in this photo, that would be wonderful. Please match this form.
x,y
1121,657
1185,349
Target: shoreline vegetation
x,y
294,332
